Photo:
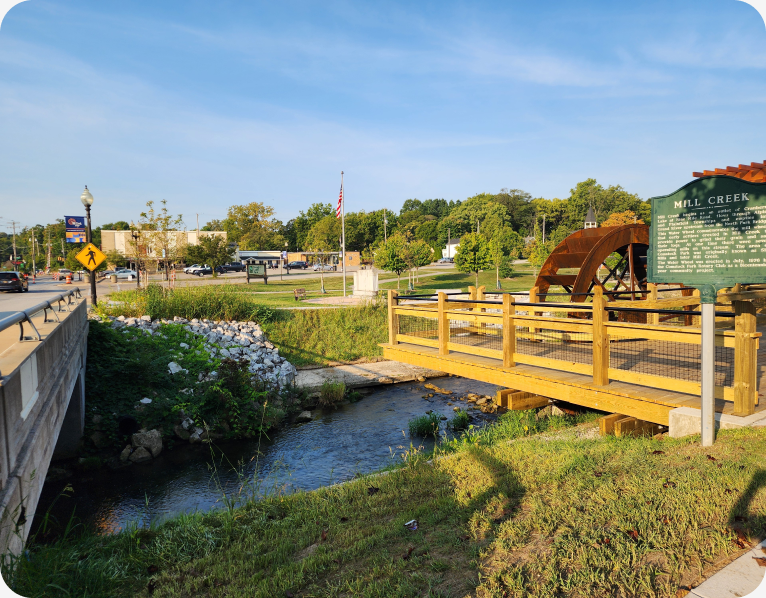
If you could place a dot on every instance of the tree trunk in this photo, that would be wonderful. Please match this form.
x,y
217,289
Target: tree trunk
x,y
398,280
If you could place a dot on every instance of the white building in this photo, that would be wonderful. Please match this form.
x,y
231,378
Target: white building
x,y
450,249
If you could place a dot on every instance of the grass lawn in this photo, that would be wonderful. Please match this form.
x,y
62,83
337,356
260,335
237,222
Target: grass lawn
x,y
523,280
502,514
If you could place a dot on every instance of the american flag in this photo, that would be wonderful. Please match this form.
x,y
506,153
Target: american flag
x,y
340,203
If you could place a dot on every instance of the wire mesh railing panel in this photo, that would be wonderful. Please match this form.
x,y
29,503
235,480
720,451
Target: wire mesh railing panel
x,y
668,359
420,327
484,335
574,347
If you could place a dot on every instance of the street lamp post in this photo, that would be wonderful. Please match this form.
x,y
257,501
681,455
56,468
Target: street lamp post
x,y
283,263
87,200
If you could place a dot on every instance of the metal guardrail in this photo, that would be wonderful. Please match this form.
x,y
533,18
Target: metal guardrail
x,y
26,315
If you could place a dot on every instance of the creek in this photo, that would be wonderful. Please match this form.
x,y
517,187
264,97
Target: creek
x,y
355,438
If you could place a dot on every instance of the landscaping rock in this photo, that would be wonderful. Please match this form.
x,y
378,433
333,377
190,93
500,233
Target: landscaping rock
x,y
151,440
139,455
174,368
182,433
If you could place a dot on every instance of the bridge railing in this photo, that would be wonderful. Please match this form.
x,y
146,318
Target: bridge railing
x,y
656,345
62,300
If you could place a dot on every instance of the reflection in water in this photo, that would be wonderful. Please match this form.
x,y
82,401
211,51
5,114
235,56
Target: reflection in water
x,y
337,445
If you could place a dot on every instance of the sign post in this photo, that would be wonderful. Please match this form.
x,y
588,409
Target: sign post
x,y
257,271
710,234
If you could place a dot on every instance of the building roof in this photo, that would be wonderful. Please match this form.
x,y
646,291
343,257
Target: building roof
x,y
590,216
755,173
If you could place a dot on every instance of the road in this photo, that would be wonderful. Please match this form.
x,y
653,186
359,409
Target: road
x,y
38,292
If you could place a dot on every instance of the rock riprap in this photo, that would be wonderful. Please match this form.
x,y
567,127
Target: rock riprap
x,y
232,340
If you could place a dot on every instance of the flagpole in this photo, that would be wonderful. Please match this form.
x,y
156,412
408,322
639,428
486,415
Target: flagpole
x,y
343,229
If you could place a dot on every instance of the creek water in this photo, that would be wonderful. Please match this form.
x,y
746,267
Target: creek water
x,y
338,444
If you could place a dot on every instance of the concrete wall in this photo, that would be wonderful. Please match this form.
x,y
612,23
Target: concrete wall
x,y
34,399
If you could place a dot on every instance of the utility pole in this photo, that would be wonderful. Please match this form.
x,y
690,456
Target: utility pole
x,y
197,229
34,267
13,225
48,256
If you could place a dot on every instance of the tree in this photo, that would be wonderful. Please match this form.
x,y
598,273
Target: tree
x,y
325,234
299,227
473,254
621,218
160,234
392,256
213,250
504,247
422,254
253,226
213,225
518,206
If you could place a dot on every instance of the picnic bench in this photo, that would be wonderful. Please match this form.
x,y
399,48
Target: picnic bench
x,y
299,294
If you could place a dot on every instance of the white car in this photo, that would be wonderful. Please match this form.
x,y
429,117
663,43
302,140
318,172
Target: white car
x,y
325,267
125,274
186,270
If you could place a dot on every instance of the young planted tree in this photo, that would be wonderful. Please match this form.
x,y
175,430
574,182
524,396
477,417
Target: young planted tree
x,y
392,256
473,255
160,231
422,254
212,250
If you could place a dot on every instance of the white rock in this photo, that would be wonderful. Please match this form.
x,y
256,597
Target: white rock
x,y
145,401
174,368
183,345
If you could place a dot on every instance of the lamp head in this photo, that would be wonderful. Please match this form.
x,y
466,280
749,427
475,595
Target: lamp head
x,y
86,198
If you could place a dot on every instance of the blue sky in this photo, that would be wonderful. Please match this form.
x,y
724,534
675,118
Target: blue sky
x,y
212,104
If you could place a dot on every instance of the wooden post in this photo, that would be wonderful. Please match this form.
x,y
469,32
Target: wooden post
x,y
600,339
533,299
509,331
472,293
443,325
393,317
696,321
653,319
745,356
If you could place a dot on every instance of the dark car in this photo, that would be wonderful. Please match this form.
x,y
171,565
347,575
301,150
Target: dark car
x,y
13,281
298,265
202,271
232,267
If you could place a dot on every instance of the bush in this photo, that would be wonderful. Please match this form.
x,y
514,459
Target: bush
x,y
331,393
212,302
459,422
425,425
506,267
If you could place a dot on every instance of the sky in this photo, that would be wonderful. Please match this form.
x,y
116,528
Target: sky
x,y
207,104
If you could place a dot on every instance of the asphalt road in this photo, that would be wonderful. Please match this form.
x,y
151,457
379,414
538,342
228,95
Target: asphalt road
x,y
38,292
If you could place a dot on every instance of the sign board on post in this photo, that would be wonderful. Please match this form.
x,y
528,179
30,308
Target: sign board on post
x,y
75,229
709,234
257,271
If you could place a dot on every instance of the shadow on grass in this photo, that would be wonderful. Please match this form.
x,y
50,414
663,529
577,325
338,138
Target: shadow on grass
x,y
741,517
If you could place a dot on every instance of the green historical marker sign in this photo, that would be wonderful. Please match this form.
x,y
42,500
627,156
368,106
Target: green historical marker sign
x,y
256,270
709,234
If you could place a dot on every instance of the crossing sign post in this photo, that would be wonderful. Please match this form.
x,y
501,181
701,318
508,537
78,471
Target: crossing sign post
x,y
90,257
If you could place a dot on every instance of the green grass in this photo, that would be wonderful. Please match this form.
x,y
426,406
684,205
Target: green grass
x,y
425,425
460,421
331,393
501,513
322,336
523,280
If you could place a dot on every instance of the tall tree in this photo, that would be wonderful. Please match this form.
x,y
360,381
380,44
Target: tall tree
x,y
253,226
392,256
473,255
212,250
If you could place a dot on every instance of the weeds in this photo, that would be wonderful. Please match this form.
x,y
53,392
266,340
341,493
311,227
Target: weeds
x,y
331,394
425,425
460,421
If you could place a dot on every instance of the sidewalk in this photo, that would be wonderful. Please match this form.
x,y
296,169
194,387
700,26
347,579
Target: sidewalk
x,y
363,374
743,577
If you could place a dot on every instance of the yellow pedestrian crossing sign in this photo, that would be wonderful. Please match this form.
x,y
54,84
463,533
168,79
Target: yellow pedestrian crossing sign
x,y
90,257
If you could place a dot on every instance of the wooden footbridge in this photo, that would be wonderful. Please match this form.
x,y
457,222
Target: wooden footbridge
x,y
636,358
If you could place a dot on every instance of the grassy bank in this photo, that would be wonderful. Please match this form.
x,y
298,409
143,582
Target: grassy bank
x,y
523,280
322,336
552,515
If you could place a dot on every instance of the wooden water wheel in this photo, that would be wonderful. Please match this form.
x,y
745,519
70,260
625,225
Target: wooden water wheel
x,y
587,250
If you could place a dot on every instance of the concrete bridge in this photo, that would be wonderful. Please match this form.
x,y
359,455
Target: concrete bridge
x,y
42,399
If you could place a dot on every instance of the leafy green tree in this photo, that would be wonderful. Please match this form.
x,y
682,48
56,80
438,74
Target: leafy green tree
x,y
253,226
421,254
518,206
213,250
159,230
473,254
298,228
392,256
503,249
325,234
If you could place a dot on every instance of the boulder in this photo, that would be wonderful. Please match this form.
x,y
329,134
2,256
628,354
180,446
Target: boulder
x,y
183,345
304,416
180,432
139,455
151,440
125,454
146,318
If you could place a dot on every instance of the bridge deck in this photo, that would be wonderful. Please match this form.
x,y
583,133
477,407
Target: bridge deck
x,y
644,402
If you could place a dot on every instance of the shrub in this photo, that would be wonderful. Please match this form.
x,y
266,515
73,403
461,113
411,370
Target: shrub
x,y
459,422
331,393
212,302
425,425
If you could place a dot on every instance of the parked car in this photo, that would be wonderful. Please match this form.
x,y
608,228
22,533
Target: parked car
x,y
13,281
325,267
201,270
231,267
186,270
446,260
298,265
63,272
125,273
